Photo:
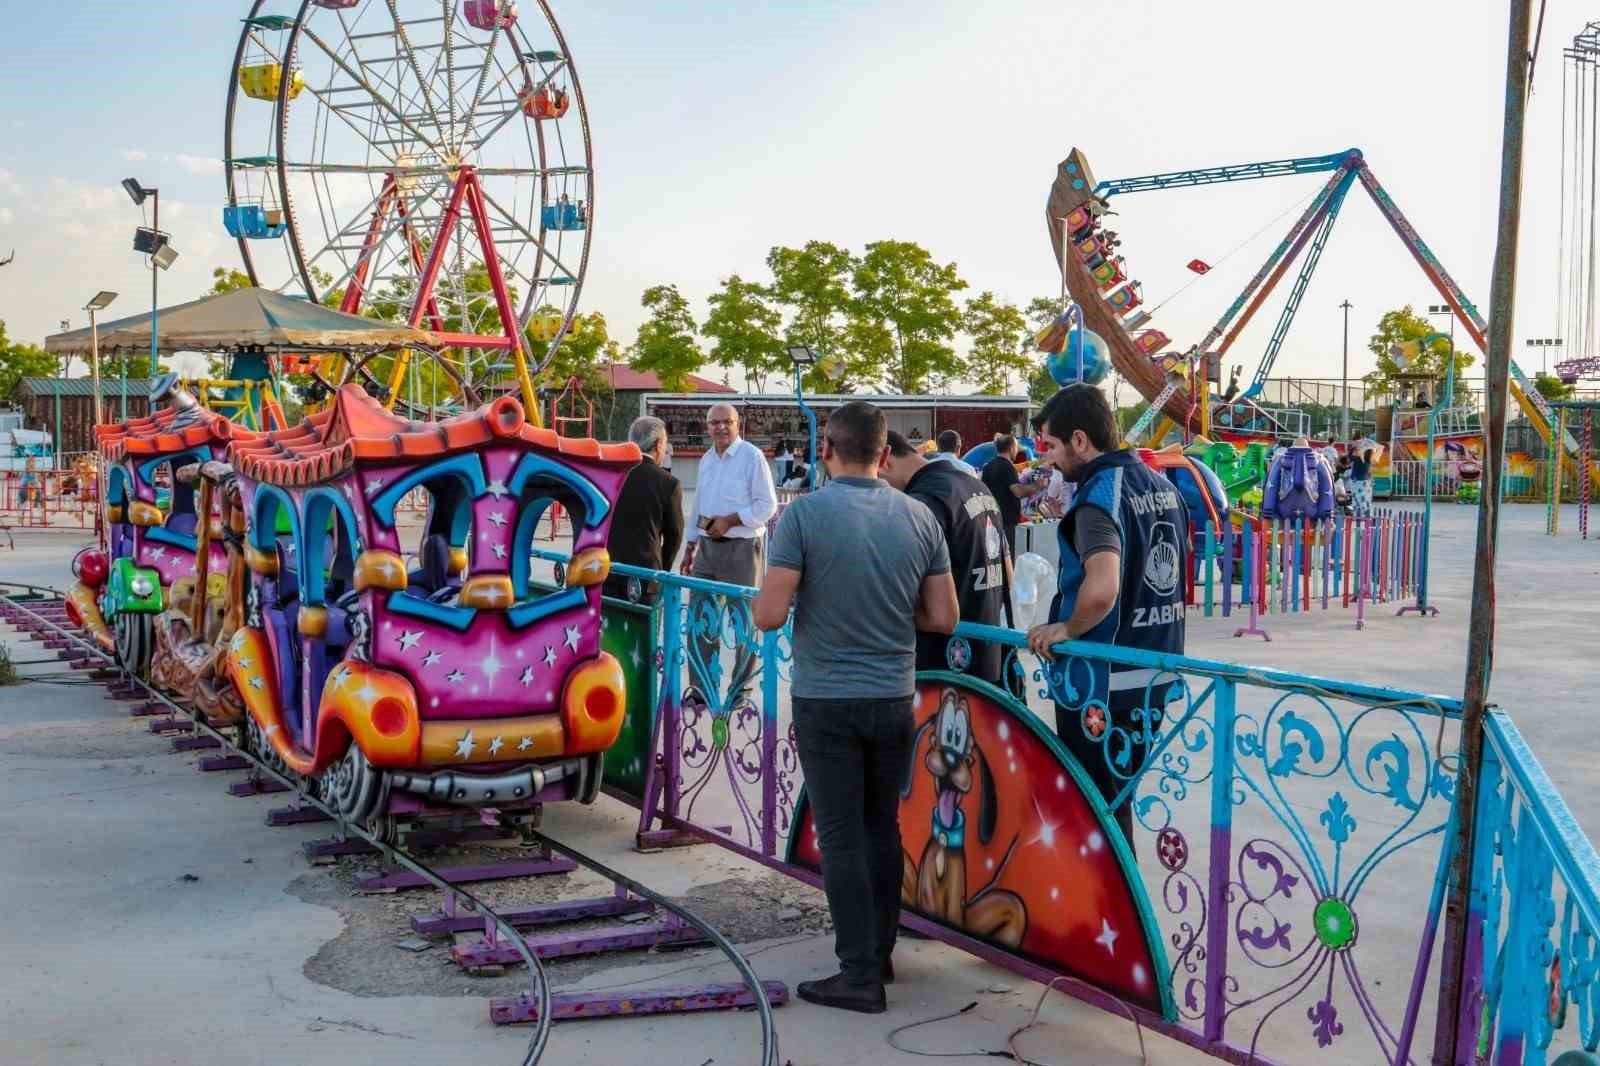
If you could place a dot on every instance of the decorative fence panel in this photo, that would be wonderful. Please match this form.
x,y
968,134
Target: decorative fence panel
x,y
1290,846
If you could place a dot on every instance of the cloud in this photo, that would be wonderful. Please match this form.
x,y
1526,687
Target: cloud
x,y
133,155
198,164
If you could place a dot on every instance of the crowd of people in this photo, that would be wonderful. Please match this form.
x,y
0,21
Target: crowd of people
x,y
877,567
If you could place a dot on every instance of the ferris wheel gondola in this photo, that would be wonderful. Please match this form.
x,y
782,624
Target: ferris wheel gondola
x,y
426,161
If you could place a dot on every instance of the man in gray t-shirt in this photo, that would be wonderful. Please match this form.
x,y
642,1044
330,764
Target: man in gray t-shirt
x,y
864,567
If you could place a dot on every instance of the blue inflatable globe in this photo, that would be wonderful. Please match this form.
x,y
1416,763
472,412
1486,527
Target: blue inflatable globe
x,y
1063,365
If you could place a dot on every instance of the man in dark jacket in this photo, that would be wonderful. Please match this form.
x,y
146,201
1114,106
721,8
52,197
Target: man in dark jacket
x,y
979,561
647,528
1122,547
1000,474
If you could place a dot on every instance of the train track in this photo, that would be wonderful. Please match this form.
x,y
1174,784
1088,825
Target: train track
x,y
539,987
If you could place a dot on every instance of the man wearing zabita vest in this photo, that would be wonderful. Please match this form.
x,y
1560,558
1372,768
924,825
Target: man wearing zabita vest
x,y
1122,547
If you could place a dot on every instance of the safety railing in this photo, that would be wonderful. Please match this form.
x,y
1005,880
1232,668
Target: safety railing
x,y
1260,567
1290,834
1535,911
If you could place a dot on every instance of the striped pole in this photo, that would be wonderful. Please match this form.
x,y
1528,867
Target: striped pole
x,y
1211,563
1583,474
1227,568
1254,579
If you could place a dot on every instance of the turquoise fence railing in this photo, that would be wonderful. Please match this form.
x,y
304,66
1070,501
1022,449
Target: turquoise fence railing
x,y
1535,911
1291,833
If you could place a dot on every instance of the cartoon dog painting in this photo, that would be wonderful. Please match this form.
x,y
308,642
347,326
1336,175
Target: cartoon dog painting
x,y
937,885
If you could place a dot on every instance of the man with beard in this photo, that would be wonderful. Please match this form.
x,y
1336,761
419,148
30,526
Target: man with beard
x,y
979,561
1121,582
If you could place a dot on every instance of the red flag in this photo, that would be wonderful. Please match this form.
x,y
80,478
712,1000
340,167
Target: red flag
x,y
1199,266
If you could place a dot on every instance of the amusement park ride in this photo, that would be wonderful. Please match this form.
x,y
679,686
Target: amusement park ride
x,y
1180,385
438,171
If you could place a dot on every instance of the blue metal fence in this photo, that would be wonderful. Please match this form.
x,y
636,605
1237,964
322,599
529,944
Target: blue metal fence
x,y
1292,834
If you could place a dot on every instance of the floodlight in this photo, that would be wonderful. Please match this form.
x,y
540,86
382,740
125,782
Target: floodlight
x,y
136,192
802,355
1439,309
165,255
147,240
101,301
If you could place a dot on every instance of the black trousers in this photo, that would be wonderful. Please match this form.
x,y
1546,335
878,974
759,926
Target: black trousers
x,y
855,755
1094,755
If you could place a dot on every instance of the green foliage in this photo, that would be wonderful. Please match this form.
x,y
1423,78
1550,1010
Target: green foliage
x,y
586,345
1399,327
666,343
745,327
1043,310
1000,336
226,279
813,282
19,360
910,298
1552,387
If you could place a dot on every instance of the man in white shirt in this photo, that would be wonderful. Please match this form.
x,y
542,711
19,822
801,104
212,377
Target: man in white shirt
x,y
733,499
950,452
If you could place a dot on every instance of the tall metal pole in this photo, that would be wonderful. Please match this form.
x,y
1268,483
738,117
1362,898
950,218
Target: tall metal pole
x,y
1344,377
94,362
155,273
1460,975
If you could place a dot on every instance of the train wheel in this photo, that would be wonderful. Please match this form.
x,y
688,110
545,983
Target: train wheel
x,y
135,637
354,787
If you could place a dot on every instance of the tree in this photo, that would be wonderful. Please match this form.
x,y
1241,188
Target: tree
x,y
909,300
1000,337
586,345
745,327
814,284
226,279
19,360
1404,326
666,342
1552,387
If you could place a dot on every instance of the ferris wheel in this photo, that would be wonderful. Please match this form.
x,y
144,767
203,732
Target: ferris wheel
x,y
426,161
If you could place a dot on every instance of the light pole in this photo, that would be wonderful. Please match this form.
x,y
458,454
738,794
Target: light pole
x,y
152,242
1422,607
1545,343
802,356
100,302
1344,378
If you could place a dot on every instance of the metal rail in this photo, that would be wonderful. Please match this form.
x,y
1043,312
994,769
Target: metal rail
x,y
539,989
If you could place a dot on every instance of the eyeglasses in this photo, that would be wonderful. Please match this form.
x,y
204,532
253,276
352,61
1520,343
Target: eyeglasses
x,y
722,421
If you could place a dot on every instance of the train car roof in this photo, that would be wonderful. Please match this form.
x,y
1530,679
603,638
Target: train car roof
x,y
357,430
174,428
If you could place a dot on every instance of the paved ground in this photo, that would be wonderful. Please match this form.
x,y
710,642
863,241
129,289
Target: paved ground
x,y
114,955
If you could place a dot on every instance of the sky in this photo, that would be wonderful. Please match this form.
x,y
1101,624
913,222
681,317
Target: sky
x,y
722,129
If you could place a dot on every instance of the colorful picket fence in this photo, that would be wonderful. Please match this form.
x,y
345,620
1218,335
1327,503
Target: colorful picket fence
x,y
1271,566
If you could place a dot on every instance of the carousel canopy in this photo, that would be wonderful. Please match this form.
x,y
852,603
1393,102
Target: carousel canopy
x,y
245,318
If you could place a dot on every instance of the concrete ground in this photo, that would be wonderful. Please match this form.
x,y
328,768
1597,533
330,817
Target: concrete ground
x,y
113,954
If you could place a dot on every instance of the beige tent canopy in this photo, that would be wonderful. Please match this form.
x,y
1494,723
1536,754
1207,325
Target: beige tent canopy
x,y
246,318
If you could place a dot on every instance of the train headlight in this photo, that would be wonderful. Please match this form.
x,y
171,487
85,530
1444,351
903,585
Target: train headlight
x,y
141,586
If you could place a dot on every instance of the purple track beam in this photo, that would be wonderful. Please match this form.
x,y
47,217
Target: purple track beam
x,y
566,1006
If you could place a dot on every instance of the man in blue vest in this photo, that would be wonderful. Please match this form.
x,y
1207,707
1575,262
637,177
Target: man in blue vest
x,y
1121,582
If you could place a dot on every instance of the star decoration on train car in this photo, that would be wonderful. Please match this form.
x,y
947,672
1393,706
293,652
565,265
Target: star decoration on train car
x,y
498,518
525,743
573,634
408,639
494,746
527,676
549,656
499,550
431,658
497,488
1107,938
492,665
455,677
465,745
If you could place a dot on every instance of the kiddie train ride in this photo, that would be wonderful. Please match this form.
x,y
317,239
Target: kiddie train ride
x,y
273,590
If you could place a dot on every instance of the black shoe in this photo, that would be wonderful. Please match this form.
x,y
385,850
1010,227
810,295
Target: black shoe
x,y
839,991
886,972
